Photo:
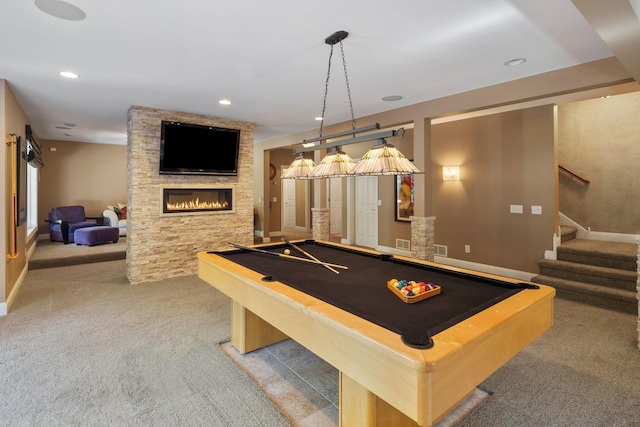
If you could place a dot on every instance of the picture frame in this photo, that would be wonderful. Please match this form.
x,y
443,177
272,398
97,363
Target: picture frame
x,y
405,197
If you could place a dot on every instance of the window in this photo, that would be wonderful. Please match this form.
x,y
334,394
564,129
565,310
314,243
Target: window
x,y
32,200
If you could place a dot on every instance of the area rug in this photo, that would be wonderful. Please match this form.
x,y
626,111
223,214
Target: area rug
x,y
308,396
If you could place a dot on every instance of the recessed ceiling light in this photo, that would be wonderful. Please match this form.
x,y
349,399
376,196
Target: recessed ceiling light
x,y
514,62
61,9
224,102
69,74
318,118
392,98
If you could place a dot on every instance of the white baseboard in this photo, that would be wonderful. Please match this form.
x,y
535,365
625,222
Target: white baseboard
x,y
485,268
588,234
394,251
4,307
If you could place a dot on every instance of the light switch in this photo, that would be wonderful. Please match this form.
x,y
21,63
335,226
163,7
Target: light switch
x,y
275,200
517,209
536,210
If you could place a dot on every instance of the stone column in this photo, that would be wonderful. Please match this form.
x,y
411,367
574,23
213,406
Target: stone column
x,y
320,223
423,237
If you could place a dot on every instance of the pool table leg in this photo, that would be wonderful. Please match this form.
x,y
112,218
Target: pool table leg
x,y
249,332
360,407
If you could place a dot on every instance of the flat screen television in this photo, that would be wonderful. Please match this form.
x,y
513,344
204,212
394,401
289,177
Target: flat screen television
x,y
191,149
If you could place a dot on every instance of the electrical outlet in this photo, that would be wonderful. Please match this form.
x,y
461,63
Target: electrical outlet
x,y
467,249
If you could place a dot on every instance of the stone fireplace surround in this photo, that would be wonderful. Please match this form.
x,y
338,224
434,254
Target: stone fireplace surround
x,y
161,246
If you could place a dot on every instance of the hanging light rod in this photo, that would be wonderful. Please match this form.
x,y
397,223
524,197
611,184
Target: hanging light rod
x,y
336,37
380,135
346,132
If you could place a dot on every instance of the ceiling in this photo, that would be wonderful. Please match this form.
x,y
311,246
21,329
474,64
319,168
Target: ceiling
x,y
270,59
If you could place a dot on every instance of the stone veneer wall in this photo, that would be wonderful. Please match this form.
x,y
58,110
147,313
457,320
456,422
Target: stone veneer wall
x,y
166,245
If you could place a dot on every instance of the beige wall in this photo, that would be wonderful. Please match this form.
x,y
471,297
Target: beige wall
x,y
600,140
530,180
77,173
278,159
505,159
13,121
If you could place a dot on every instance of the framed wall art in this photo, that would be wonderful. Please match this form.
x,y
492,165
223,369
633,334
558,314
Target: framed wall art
x,y
404,197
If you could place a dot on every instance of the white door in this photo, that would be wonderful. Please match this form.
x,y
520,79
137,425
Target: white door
x,y
289,203
367,211
335,205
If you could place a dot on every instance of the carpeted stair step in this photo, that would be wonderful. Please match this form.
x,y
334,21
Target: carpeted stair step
x,y
624,301
595,275
623,256
567,233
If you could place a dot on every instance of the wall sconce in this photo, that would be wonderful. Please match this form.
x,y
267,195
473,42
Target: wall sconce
x,y
451,173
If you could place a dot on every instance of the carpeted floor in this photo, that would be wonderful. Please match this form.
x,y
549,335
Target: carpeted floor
x,y
56,254
80,346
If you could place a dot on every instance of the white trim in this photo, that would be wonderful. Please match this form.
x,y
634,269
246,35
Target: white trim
x,y
394,251
4,307
485,268
586,233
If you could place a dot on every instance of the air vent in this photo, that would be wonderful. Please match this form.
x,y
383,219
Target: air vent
x,y
440,250
403,244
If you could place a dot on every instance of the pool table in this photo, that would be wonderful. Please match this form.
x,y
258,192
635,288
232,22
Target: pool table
x,y
401,364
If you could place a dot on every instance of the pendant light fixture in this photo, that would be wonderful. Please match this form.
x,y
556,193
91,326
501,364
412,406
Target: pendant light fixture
x,y
383,159
300,168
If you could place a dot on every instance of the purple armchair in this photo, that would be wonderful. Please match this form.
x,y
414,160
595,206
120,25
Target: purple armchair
x,y
65,220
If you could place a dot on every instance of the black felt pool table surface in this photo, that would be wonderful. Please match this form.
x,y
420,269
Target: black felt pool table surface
x,y
362,288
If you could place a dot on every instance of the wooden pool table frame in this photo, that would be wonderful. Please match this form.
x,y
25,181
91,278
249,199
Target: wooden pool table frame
x,y
382,381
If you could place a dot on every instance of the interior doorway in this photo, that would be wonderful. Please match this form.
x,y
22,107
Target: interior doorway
x,y
366,196
335,205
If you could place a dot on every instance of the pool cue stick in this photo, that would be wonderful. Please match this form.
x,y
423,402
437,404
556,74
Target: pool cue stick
x,y
295,258
299,249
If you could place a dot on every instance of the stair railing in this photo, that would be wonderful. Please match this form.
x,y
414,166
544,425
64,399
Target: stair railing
x,y
573,174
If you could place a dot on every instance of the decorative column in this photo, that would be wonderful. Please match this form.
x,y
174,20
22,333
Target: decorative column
x,y
320,223
423,237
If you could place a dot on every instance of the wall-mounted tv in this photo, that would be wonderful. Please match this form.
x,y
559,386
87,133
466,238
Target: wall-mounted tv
x,y
192,149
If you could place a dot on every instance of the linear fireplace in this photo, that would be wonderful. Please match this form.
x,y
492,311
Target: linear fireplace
x,y
181,200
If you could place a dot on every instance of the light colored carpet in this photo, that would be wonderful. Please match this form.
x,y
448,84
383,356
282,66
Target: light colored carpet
x,y
56,254
82,347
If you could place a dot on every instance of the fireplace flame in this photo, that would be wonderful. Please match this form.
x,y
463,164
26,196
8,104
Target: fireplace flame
x,y
196,204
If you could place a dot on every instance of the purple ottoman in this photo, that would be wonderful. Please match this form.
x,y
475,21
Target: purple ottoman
x,y
96,235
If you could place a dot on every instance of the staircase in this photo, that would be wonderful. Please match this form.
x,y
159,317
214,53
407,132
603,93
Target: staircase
x,y
594,272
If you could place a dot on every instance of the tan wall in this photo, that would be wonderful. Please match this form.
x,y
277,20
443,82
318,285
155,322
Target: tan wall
x,y
278,159
586,81
77,173
504,159
600,140
160,245
14,121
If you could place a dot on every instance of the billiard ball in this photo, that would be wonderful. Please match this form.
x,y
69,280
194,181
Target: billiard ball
x,y
287,251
